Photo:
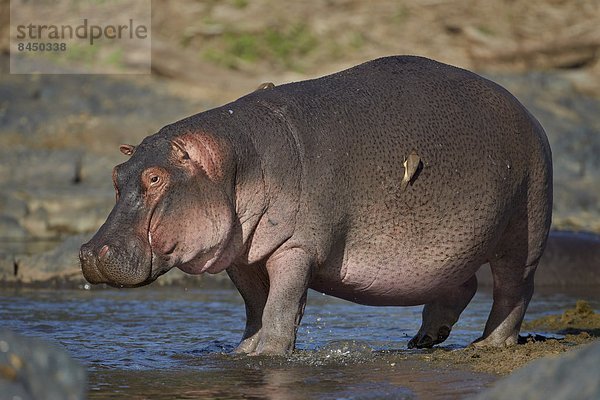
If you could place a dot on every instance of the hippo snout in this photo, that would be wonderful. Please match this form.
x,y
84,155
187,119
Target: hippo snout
x,y
123,265
88,260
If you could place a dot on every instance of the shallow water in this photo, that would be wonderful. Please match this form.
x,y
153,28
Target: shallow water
x,y
174,343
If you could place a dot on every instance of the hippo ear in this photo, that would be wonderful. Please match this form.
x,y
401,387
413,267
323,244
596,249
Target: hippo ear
x,y
264,86
127,149
179,149
202,150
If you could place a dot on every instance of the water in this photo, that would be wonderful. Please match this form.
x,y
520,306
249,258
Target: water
x,y
175,343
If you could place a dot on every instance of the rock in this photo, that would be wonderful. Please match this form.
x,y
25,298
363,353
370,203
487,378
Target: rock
x,y
12,209
572,376
33,369
59,264
57,212
53,193
11,229
70,211
12,205
39,168
7,268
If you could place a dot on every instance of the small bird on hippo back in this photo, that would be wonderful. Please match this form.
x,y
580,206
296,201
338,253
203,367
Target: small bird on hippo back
x,y
384,184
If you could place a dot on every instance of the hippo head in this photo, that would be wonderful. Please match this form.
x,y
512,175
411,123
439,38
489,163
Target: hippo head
x,y
173,208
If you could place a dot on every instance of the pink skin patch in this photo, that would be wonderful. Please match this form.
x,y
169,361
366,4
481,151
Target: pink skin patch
x,y
179,242
206,151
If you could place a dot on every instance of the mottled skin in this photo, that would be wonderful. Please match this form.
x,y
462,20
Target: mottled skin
x,y
300,186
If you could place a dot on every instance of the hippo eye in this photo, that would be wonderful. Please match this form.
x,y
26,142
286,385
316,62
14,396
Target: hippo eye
x,y
153,178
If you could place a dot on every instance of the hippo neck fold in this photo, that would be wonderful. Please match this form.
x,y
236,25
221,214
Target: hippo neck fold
x,y
266,172
268,187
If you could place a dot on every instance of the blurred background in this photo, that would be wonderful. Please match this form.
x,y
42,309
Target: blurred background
x,y
59,139
59,134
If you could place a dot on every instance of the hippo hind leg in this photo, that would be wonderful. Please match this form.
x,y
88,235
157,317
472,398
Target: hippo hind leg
x,y
440,315
513,289
513,267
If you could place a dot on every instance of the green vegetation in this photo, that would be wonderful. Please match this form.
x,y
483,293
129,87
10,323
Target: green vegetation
x,y
81,52
115,58
402,14
283,47
357,41
86,55
486,30
240,3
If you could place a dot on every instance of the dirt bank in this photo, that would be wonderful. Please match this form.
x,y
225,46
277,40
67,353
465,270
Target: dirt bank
x,y
554,335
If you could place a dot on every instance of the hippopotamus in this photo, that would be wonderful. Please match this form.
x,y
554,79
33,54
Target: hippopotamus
x,y
386,184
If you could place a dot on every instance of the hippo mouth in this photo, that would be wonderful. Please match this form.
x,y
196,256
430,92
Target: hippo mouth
x,y
117,263
159,263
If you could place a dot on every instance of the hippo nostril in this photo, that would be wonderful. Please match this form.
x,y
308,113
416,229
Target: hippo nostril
x,y
85,253
103,251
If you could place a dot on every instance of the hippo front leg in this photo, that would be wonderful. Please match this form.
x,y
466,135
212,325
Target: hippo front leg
x,y
253,284
289,274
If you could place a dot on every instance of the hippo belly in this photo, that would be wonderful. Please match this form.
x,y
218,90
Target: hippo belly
x,y
373,276
385,271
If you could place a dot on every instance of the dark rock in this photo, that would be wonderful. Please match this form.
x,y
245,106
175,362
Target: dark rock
x,y
7,268
33,369
572,376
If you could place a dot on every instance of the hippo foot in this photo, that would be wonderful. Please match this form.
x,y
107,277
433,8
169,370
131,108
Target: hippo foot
x,y
247,346
273,347
494,341
258,345
425,341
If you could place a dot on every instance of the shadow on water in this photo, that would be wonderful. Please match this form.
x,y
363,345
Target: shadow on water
x,y
175,343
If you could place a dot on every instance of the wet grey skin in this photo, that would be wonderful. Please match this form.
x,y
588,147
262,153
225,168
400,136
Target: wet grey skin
x,y
389,183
